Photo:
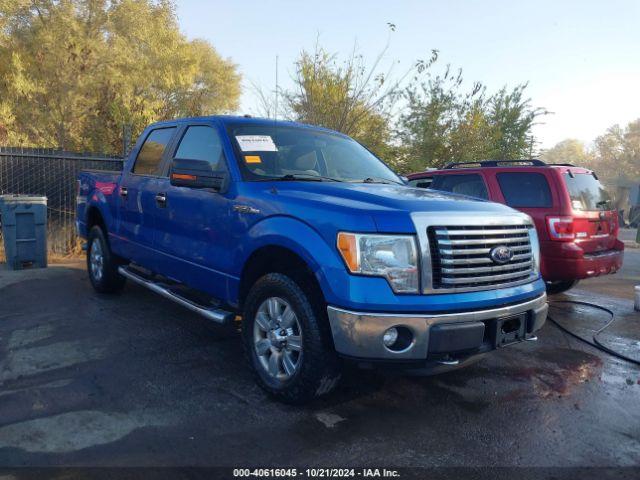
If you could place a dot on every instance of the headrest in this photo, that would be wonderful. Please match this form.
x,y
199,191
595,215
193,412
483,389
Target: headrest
x,y
304,157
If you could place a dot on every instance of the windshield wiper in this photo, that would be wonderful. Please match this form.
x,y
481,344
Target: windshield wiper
x,y
303,177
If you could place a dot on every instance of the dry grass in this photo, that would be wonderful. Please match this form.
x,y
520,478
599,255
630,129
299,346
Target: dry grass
x,y
61,247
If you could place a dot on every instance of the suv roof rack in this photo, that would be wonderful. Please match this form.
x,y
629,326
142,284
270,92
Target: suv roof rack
x,y
561,164
495,163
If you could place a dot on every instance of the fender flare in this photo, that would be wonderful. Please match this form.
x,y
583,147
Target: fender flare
x,y
98,202
303,240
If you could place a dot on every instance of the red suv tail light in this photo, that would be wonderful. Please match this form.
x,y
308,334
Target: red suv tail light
x,y
615,225
561,228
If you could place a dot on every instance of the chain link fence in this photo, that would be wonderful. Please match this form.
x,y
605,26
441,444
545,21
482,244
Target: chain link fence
x,y
52,173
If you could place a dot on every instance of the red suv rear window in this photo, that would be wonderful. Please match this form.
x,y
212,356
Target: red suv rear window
x,y
586,192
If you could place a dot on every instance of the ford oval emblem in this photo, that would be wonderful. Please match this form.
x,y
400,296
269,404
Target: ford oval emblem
x,y
501,254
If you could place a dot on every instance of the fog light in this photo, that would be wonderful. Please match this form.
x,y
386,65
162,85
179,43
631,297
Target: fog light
x,y
390,337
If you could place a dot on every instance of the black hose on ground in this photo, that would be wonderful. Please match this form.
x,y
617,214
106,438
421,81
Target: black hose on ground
x,y
595,343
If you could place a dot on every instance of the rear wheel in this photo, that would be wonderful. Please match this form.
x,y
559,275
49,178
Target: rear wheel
x,y
285,344
102,264
560,286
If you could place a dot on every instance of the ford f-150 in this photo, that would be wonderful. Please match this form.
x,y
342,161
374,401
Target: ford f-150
x,y
321,249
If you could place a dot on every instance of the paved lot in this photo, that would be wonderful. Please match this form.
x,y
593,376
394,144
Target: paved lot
x,y
628,236
135,380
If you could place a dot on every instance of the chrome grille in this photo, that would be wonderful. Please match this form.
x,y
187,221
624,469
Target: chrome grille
x,y
460,256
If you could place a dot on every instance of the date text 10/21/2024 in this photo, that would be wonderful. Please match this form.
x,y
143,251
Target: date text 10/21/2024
x,y
316,473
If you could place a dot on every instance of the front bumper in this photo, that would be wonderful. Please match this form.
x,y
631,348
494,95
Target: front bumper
x,y
359,334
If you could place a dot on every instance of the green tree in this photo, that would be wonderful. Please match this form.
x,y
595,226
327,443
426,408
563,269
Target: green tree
x,y
428,127
350,97
617,152
72,72
443,123
569,151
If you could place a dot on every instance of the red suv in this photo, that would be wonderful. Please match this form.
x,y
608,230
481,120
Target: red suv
x,y
577,227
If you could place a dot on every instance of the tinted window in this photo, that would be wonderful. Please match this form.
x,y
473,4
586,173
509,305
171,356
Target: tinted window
x,y
150,156
202,143
586,192
421,182
467,184
525,189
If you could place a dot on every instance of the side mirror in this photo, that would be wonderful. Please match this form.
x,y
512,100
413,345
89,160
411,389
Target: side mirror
x,y
196,174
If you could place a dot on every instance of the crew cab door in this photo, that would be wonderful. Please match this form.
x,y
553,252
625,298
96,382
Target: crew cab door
x,y
137,199
193,236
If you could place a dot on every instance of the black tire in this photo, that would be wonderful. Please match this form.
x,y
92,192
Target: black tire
x,y
553,288
109,280
318,370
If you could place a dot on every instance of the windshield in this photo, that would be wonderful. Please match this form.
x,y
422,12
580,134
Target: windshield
x,y
270,152
586,192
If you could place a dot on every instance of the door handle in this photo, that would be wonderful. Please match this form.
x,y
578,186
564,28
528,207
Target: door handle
x,y
161,199
123,192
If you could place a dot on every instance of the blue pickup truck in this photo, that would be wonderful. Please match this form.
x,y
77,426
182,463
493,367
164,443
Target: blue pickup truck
x,y
322,250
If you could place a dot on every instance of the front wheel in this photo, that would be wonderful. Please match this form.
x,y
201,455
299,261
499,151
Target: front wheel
x,y
560,286
285,343
102,264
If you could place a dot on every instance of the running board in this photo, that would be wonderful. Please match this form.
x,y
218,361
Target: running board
x,y
216,314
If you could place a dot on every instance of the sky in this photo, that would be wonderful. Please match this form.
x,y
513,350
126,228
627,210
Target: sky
x,y
581,59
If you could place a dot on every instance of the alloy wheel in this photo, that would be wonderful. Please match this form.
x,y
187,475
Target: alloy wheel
x,y
277,338
96,260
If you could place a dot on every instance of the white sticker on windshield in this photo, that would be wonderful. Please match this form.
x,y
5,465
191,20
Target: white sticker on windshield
x,y
256,143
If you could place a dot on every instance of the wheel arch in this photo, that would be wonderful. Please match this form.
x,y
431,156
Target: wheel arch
x,y
94,217
278,259
98,215
300,249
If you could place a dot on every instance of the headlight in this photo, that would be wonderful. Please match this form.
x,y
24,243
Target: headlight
x,y
535,248
393,257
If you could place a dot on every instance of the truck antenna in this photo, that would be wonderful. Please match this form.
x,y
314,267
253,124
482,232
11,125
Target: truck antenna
x,y
275,113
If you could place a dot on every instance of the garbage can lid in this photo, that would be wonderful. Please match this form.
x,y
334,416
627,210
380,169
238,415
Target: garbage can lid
x,y
21,198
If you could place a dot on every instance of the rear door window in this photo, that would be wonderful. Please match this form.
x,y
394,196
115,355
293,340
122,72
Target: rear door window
x,y
470,184
201,142
149,159
525,189
586,192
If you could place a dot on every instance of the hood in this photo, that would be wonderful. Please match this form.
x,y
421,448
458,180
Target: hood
x,y
390,206
383,197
